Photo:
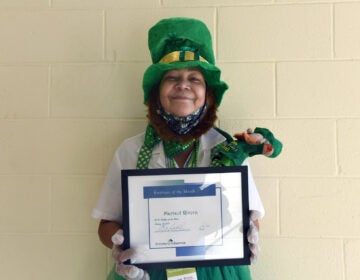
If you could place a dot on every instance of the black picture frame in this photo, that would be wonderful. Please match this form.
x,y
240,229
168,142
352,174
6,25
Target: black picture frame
x,y
158,203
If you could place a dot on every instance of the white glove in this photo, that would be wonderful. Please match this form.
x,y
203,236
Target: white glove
x,y
253,236
129,272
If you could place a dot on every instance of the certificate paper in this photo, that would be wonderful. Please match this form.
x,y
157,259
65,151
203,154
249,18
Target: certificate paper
x,y
190,216
180,216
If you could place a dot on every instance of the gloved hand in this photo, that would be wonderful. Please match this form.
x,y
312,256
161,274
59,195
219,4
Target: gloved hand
x,y
253,236
129,272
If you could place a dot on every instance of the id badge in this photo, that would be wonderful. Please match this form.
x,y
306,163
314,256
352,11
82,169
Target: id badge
x,y
188,273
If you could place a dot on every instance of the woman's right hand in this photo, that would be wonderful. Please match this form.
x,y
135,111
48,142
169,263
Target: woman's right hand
x,y
129,272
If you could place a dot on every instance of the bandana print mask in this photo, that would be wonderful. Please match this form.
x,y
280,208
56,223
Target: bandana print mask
x,y
182,125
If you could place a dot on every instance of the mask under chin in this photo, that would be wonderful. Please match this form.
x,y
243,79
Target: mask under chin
x,y
181,125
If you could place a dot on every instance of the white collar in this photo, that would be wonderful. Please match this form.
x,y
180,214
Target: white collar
x,y
211,139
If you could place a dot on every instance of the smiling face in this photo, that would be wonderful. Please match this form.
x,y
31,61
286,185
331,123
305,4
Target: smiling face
x,y
182,91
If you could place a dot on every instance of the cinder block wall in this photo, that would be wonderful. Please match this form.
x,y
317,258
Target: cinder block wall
x,y
70,92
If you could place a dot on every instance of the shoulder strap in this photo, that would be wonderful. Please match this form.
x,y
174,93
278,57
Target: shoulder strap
x,y
225,134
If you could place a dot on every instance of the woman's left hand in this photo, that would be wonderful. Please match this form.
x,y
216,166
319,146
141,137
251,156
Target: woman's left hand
x,y
253,235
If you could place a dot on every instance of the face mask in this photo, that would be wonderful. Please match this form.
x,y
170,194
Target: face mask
x,y
182,125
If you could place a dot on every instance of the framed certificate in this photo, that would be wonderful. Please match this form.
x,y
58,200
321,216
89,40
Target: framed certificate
x,y
186,216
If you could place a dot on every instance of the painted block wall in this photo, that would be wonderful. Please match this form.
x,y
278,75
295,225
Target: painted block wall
x,y
70,92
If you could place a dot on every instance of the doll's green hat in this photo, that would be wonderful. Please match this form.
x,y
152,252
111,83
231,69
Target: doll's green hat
x,y
179,43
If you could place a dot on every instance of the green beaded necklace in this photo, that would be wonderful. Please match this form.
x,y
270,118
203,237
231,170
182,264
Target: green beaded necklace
x,y
191,161
171,149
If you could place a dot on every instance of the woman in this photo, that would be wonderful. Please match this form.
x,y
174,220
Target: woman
x,y
182,90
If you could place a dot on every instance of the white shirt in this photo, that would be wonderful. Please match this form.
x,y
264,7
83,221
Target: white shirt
x,y
109,204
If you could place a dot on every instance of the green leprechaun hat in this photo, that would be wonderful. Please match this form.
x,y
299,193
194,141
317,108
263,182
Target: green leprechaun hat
x,y
179,43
